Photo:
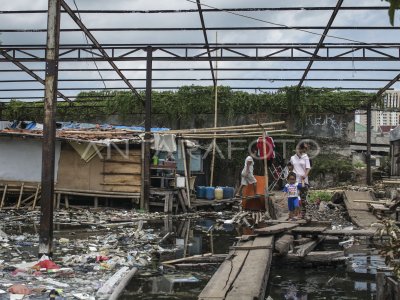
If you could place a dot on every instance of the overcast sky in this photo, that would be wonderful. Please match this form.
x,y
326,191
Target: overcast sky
x,y
290,18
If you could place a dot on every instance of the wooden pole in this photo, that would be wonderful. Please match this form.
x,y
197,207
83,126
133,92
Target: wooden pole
x,y
21,192
49,128
36,196
266,191
368,155
185,167
147,136
215,114
3,198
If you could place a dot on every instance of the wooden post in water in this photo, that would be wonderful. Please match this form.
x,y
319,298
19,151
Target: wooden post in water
x,y
147,128
380,286
215,114
266,190
186,172
368,155
49,128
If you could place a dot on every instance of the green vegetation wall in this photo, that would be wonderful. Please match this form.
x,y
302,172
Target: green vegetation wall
x,y
193,106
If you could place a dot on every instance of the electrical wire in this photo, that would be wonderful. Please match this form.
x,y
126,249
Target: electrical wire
x,y
287,26
87,42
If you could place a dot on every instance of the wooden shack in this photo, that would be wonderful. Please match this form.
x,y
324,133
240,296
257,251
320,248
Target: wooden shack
x,y
100,165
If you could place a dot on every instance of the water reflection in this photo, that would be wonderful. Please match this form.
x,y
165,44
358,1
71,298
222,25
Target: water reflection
x,y
355,280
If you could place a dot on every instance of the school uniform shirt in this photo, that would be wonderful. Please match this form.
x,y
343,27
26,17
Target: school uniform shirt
x,y
292,190
300,166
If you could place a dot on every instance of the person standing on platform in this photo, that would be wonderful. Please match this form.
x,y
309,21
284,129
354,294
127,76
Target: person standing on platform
x,y
302,167
247,175
291,190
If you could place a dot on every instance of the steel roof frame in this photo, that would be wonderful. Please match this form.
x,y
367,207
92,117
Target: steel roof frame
x,y
22,55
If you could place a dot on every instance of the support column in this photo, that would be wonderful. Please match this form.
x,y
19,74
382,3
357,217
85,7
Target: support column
x,y
147,128
49,129
368,156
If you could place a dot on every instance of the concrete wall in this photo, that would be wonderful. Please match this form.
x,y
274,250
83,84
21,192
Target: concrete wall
x,y
21,159
326,125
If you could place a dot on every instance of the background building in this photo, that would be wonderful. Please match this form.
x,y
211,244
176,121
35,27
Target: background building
x,y
388,116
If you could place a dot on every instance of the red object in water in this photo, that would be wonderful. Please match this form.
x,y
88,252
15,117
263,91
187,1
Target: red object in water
x,y
46,264
101,258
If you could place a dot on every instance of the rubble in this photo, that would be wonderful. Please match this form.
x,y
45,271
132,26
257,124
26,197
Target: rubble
x,y
90,248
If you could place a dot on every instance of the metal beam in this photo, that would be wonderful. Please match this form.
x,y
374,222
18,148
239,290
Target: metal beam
x,y
203,26
207,69
206,10
98,46
49,129
328,26
220,28
128,46
176,87
31,73
387,86
207,79
289,58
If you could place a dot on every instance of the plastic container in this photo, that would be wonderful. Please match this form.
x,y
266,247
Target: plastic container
x,y
210,193
229,192
201,192
219,193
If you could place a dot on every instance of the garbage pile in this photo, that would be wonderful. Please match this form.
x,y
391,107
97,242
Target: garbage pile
x,y
90,249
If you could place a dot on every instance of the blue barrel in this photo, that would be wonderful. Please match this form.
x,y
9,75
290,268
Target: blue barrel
x,y
229,192
210,193
201,192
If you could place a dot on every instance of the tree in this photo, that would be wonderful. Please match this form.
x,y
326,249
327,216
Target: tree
x,y
394,4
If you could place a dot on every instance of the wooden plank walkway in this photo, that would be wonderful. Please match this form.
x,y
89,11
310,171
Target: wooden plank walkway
x,y
358,211
244,274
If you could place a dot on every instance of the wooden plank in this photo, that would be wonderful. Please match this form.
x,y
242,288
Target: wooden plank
x,y
310,229
282,245
122,189
320,257
274,229
306,248
125,179
251,282
220,283
122,168
349,196
184,197
20,196
360,232
36,196
182,202
250,247
3,198
122,284
131,155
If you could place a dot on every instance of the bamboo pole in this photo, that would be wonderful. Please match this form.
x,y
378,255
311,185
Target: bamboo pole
x,y
266,192
215,113
258,133
197,130
221,129
238,135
